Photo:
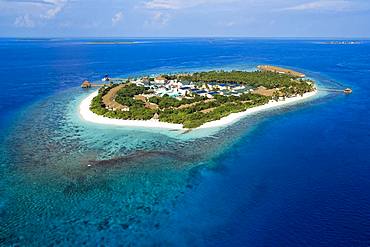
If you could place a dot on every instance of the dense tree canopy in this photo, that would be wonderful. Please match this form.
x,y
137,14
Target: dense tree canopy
x,y
255,78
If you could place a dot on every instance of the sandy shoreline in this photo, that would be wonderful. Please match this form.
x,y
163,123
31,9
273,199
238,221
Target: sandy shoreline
x,y
233,117
89,116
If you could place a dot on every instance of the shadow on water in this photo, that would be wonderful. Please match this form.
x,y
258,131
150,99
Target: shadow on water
x,y
134,157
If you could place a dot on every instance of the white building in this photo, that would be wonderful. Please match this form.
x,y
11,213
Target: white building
x,y
184,90
160,80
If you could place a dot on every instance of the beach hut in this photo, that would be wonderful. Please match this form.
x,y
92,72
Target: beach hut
x,y
156,116
86,84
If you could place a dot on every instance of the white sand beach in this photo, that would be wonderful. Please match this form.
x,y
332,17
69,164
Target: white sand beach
x,y
233,117
89,116
94,118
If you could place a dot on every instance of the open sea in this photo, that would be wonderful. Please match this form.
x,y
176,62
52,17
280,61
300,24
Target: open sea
x,y
295,176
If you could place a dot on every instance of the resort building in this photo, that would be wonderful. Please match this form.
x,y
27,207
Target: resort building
x,y
211,86
184,90
223,86
160,80
176,88
210,95
201,92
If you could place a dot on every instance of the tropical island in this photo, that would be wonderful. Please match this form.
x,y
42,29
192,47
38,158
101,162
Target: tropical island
x,y
192,100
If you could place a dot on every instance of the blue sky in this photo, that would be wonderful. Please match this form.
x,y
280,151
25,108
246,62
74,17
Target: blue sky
x,y
165,18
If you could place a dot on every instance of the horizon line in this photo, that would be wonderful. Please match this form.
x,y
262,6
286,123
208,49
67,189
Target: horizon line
x,y
183,37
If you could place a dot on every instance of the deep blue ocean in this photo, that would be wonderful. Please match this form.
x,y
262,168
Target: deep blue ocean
x,y
296,176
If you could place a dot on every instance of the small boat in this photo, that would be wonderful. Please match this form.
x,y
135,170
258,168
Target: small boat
x,y
347,91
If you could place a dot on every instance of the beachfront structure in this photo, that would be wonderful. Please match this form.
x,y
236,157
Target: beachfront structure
x,y
137,81
184,90
86,84
210,95
201,92
236,86
175,83
211,86
225,92
223,86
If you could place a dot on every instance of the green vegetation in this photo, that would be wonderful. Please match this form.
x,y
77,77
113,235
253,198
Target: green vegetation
x,y
167,102
266,79
126,94
137,110
130,90
221,106
194,111
97,106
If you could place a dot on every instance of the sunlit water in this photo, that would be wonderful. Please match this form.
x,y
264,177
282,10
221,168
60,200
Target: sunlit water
x,y
298,175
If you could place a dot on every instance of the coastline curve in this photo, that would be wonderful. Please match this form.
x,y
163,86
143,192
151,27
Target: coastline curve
x,y
88,115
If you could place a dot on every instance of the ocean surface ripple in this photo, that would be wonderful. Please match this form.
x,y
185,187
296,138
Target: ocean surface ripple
x,y
297,176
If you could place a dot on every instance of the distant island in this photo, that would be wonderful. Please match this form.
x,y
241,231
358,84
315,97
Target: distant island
x,y
193,100
111,43
338,42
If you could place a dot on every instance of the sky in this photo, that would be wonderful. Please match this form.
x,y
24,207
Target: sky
x,y
185,18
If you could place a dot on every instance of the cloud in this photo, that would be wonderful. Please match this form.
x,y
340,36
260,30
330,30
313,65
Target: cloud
x,y
117,18
30,1
51,13
42,9
180,4
158,19
323,5
24,21
162,4
58,6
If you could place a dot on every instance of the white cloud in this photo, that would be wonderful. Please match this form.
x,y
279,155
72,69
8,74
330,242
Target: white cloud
x,y
160,18
53,12
180,4
38,9
29,1
323,5
162,4
57,7
24,21
117,18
